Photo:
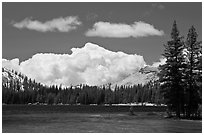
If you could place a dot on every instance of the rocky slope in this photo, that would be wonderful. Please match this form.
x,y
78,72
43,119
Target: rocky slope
x,y
9,76
144,76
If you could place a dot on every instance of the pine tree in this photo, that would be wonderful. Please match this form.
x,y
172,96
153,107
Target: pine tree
x,y
193,71
171,75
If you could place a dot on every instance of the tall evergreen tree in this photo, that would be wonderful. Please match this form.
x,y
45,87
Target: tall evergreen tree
x,y
193,71
171,75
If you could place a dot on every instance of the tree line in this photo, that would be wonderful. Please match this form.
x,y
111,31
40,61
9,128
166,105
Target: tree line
x,y
33,92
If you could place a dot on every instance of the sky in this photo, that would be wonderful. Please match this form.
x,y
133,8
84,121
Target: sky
x,y
23,43
92,43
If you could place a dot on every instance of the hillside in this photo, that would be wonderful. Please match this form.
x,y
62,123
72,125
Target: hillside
x,y
9,76
144,76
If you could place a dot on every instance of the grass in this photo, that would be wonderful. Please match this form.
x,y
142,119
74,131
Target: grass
x,y
86,119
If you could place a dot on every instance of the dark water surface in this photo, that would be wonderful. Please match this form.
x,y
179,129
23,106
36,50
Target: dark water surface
x,y
96,119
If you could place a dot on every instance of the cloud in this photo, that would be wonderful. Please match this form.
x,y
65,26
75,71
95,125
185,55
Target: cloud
x,y
114,30
61,24
158,6
91,64
161,62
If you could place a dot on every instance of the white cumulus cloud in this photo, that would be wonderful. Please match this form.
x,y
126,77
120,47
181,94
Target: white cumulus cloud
x,y
120,30
91,64
162,61
61,24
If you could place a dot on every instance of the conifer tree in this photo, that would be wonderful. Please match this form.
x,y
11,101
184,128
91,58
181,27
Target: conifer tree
x,y
193,71
171,75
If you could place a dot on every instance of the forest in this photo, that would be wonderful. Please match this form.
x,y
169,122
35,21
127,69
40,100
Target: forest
x,y
83,94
